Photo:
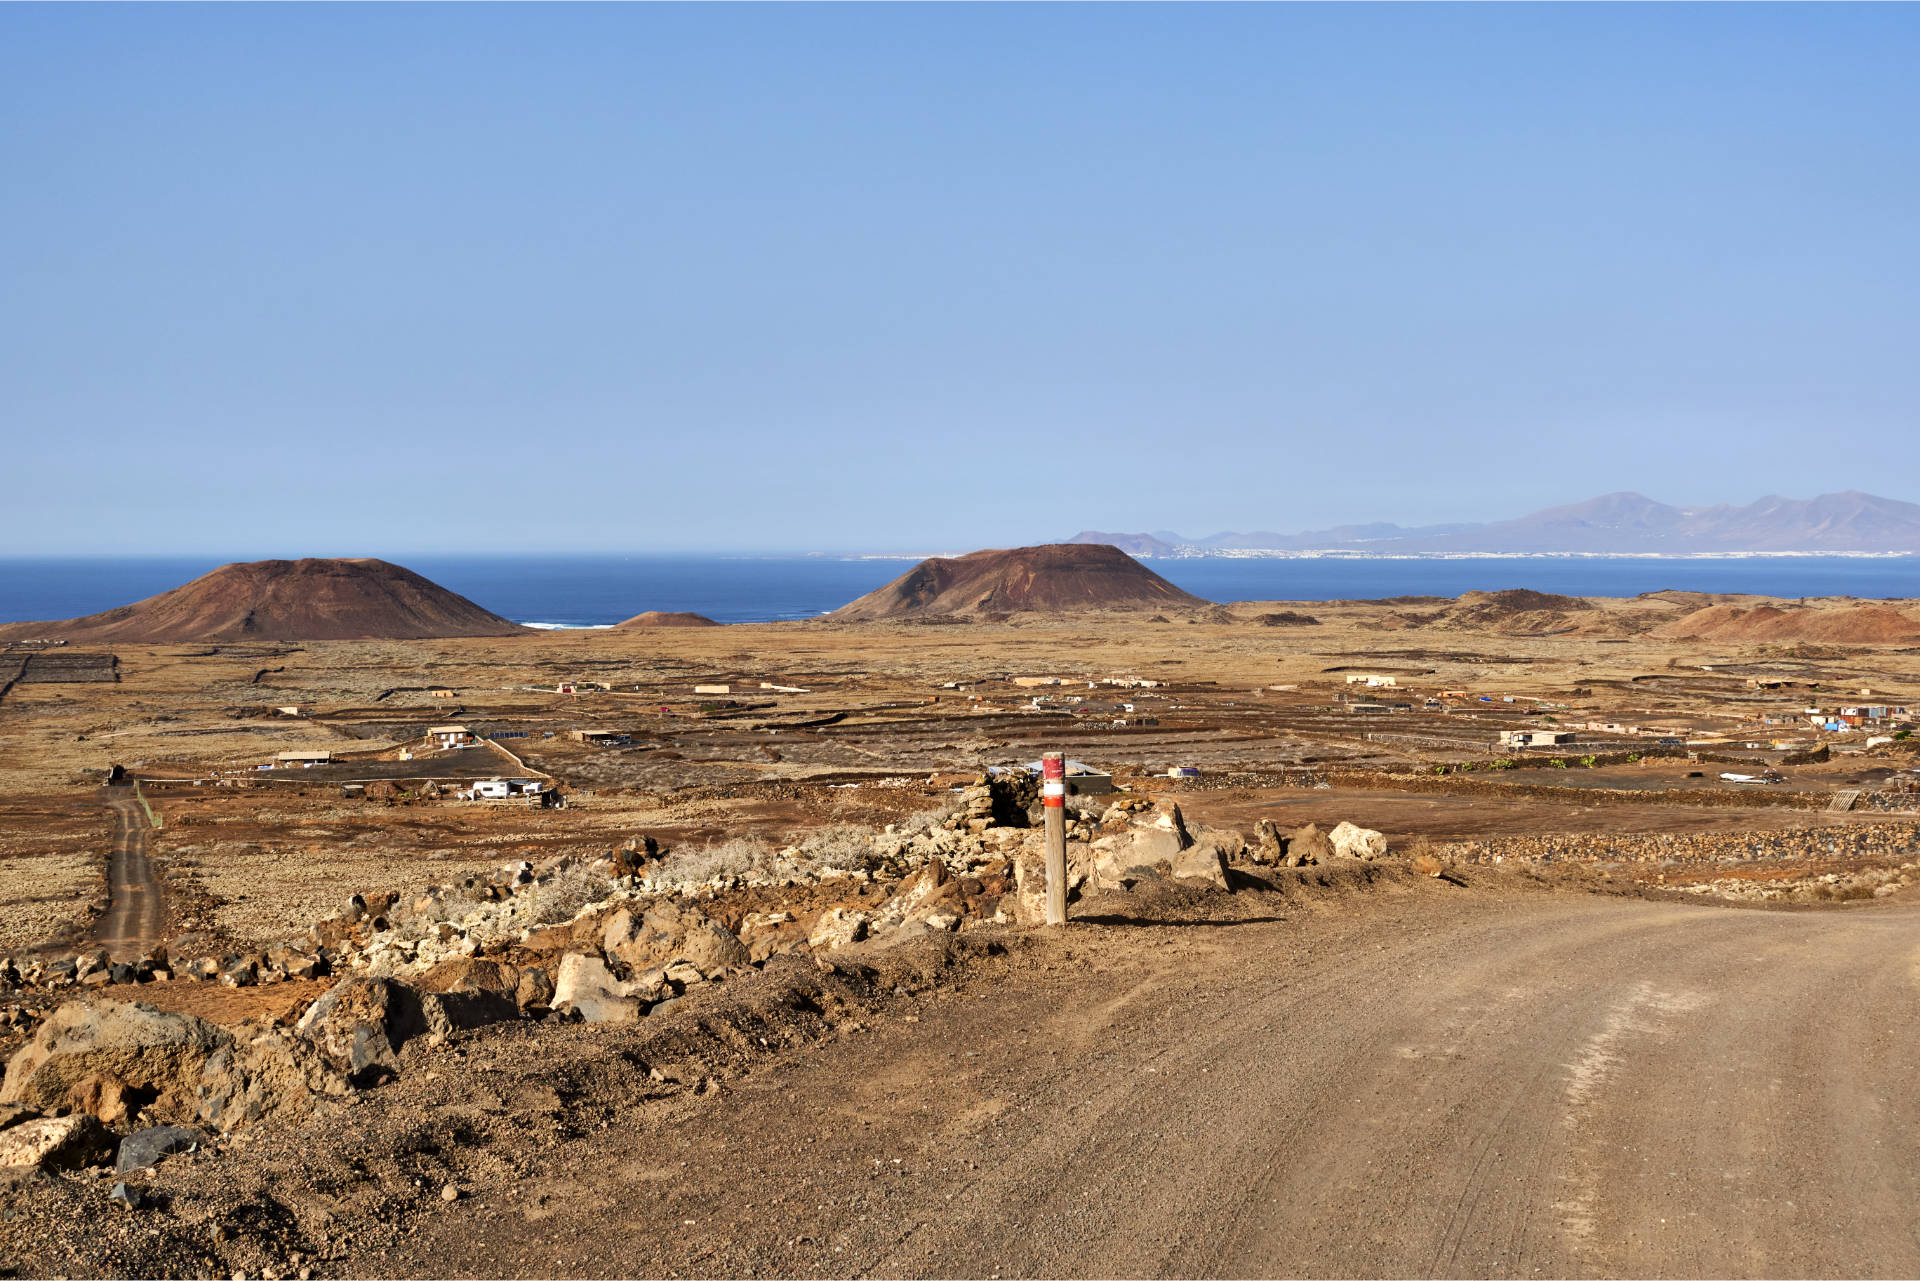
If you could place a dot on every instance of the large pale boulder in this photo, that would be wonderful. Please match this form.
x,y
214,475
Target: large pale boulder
x,y
55,1143
1231,845
98,1055
1145,849
1351,841
1030,887
711,948
120,1062
768,934
275,1072
1029,876
1161,838
837,928
1201,863
359,1025
665,934
1113,864
586,987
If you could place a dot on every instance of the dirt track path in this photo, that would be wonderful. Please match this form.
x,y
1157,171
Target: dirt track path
x,y
1554,1085
136,915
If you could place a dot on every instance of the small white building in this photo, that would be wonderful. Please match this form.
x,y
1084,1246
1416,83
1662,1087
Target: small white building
x,y
1534,737
447,737
499,789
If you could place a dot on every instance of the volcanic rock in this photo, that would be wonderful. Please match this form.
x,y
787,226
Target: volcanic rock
x,y
1201,863
1307,846
768,934
666,933
148,1147
587,988
836,928
472,992
1056,578
95,1054
287,600
1268,847
1518,611
359,1024
1030,887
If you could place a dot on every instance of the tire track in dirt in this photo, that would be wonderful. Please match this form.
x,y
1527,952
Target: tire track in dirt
x,y
136,915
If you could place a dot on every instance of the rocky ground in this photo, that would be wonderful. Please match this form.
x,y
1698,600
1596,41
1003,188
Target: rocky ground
x,y
106,1085
1350,1068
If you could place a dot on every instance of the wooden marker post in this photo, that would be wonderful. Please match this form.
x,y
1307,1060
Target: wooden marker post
x,y
1053,797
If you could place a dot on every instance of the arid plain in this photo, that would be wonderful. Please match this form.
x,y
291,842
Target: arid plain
x,y
1414,1048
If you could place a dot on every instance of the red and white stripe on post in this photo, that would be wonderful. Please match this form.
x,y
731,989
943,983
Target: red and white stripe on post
x,y
1053,797
1053,780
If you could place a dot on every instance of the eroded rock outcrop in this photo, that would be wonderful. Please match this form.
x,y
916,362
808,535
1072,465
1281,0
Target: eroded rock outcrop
x,y
111,1059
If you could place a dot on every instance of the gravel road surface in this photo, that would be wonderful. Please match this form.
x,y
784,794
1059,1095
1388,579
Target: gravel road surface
x,y
136,914
1549,1084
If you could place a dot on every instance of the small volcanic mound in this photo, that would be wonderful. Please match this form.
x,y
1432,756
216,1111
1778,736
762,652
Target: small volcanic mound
x,y
1514,612
1287,618
1519,600
287,600
1056,578
1834,625
1517,611
667,618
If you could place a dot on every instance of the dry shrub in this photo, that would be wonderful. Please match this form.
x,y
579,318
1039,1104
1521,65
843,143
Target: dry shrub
x,y
928,819
740,856
572,889
841,848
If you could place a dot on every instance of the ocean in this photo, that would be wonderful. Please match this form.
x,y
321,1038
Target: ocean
x,y
597,591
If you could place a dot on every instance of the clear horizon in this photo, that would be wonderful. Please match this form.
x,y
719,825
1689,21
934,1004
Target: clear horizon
x,y
404,281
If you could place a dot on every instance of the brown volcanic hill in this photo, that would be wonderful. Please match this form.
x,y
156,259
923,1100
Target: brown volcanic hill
x,y
287,600
1521,612
1832,625
1056,578
664,618
1483,608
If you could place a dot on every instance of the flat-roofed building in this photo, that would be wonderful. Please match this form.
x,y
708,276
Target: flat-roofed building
x,y
301,760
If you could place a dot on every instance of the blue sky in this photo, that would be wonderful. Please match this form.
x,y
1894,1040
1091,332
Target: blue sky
x,y
376,280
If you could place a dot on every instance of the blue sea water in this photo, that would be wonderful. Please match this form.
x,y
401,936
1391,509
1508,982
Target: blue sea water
x,y
589,591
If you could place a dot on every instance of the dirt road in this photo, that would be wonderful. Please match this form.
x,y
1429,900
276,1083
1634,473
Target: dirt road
x,y
136,914
1439,1085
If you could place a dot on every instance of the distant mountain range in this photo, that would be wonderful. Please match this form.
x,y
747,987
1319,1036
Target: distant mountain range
x,y
1615,524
